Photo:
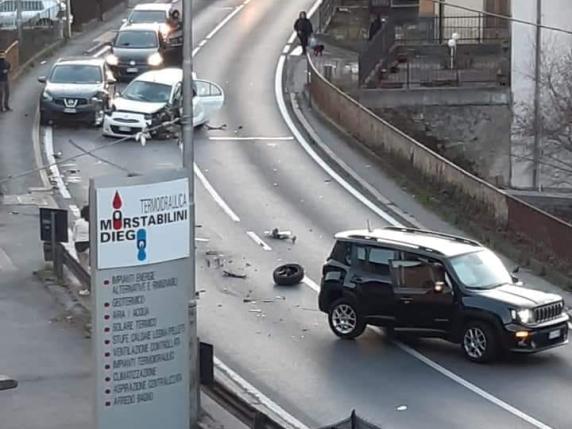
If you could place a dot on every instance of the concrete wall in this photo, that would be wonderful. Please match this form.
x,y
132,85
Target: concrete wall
x,y
472,126
544,234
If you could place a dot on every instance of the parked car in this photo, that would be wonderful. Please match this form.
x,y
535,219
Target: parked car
x,y
136,49
155,97
40,13
78,89
432,284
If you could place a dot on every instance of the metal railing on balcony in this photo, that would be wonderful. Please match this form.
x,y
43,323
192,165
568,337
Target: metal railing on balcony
x,y
378,50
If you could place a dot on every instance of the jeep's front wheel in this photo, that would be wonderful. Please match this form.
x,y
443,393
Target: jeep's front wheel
x,y
479,342
345,319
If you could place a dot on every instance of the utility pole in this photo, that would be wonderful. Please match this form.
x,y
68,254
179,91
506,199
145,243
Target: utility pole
x,y
68,31
19,20
537,94
188,163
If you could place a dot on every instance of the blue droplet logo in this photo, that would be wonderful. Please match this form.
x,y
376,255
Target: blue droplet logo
x,y
141,244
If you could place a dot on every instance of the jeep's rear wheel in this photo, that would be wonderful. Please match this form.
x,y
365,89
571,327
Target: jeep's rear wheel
x,y
345,319
479,342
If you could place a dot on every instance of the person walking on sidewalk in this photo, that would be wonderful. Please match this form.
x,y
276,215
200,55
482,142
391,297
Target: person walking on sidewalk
x,y
4,83
304,30
81,240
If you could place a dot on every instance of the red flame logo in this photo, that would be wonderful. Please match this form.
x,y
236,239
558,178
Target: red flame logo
x,y
117,202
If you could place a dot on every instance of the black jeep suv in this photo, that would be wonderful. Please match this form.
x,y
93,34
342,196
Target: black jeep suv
x,y
436,285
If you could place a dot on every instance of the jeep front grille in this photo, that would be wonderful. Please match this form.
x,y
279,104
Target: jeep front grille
x,y
548,312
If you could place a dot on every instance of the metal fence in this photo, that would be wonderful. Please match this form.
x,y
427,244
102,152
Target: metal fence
x,y
378,51
477,28
33,14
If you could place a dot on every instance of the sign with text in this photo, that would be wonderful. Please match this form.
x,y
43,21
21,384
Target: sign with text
x,y
142,224
140,317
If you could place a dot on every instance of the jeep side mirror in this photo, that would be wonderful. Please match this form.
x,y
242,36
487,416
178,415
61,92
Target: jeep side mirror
x,y
42,79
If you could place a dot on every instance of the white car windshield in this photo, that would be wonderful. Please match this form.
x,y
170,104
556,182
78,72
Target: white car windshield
x,y
137,39
149,92
480,270
147,16
76,73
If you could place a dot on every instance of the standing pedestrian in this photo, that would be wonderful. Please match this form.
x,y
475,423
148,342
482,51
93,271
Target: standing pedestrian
x,y
4,83
304,30
81,240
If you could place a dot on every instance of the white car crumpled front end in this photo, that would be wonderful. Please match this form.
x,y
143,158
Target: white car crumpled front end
x,y
124,124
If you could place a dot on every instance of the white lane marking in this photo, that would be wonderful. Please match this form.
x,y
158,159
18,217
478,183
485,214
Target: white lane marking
x,y
75,210
224,21
38,149
101,51
258,240
311,284
286,49
196,51
483,394
6,263
203,43
258,395
304,143
214,194
49,148
222,138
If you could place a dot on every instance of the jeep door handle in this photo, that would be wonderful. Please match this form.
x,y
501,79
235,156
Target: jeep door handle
x,y
405,300
356,279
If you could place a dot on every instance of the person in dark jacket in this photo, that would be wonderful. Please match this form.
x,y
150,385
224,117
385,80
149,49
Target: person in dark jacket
x,y
4,83
374,27
304,30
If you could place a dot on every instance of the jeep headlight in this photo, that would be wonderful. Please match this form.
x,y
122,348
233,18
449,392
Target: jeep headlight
x,y
155,59
47,96
524,315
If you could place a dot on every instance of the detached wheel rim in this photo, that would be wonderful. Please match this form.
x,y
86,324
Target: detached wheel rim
x,y
475,343
344,319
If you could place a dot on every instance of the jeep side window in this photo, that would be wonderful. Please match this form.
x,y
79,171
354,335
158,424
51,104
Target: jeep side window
x,y
417,272
374,260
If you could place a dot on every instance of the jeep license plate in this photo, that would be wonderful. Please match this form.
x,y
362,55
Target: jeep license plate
x,y
554,334
69,110
132,70
125,129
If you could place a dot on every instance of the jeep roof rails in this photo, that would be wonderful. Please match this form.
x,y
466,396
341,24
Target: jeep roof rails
x,y
434,233
396,242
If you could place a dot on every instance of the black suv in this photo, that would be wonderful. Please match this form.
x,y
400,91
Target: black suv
x,y
436,285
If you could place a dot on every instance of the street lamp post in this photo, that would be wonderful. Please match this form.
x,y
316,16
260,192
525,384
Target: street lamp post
x,y
19,20
188,163
536,183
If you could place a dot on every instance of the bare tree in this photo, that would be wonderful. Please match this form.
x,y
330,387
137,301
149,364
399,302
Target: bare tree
x,y
555,121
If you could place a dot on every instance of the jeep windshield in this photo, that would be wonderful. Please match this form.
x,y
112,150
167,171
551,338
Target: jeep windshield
x,y
147,16
137,39
76,73
480,270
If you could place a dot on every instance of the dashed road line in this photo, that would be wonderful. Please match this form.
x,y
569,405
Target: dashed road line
x,y
225,20
258,240
6,263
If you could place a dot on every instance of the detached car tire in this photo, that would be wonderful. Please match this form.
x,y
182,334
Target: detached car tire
x,y
288,274
479,342
345,319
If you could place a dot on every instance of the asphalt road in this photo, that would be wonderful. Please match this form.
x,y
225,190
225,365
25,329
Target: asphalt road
x,y
284,347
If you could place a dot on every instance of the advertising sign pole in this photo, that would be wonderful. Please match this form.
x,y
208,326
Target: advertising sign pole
x,y
188,163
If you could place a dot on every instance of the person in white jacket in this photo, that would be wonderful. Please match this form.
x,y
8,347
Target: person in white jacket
x,y
81,240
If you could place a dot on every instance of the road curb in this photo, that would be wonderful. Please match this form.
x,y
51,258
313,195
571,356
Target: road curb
x,y
7,382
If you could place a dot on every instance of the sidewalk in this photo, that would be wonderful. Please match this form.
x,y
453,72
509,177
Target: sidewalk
x,y
368,173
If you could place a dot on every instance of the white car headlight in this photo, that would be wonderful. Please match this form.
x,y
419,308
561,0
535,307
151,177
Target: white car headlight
x,y
525,315
112,60
155,59
47,96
